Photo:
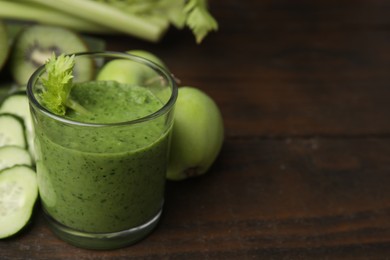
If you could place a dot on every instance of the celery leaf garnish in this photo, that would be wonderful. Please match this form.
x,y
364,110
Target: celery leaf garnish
x,y
58,84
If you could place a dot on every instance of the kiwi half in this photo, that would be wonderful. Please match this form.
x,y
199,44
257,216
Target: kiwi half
x,y
35,44
4,46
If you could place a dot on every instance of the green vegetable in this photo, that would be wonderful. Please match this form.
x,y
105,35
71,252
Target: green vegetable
x,y
145,19
18,194
107,16
19,10
199,19
58,84
191,13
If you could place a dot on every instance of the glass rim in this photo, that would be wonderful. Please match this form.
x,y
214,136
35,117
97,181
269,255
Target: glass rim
x,y
113,54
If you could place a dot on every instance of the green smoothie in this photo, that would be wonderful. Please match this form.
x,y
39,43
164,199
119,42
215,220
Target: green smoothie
x,y
104,179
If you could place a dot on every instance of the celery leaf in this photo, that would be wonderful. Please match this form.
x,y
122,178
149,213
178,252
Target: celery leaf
x,y
180,13
199,19
58,83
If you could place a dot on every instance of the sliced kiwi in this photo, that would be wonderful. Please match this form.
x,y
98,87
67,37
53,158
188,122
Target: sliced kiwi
x,y
4,46
35,44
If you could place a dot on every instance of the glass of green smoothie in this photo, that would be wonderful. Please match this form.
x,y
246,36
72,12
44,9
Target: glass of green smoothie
x,y
101,169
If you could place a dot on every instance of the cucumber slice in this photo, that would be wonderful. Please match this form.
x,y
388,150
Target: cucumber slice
x,y
14,155
18,193
12,131
18,104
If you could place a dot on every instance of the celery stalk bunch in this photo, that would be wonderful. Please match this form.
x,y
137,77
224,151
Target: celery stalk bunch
x,y
144,19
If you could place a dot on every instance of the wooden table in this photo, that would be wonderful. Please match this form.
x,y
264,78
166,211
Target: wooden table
x,y
304,172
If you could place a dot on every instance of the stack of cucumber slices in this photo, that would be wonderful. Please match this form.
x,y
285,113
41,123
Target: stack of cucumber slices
x,y
18,182
24,49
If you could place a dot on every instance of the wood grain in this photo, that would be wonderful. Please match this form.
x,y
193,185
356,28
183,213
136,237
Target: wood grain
x,y
299,197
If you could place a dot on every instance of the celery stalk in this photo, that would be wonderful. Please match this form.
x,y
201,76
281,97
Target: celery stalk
x,y
106,15
44,15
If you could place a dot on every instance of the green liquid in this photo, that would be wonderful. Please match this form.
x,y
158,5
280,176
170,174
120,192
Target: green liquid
x,y
104,179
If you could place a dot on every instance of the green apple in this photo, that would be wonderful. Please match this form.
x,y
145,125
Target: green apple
x,y
149,56
197,134
4,45
127,71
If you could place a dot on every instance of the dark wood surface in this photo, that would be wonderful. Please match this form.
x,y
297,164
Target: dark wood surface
x,y
304,172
